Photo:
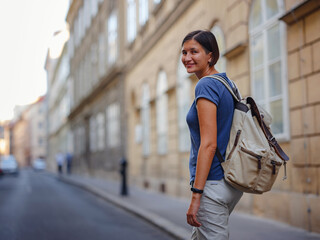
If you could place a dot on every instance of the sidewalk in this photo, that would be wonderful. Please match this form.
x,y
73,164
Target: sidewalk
x,y
168,213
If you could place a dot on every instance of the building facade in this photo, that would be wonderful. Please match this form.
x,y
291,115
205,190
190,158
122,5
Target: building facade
x,y
269,49
59,134
28,132
131,92
97,117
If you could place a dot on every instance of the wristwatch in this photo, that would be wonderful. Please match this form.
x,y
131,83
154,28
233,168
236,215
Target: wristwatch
x,y
196,190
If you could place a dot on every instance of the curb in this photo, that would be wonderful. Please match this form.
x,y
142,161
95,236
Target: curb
x,y
175,231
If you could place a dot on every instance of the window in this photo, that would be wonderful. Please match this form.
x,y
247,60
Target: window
x,y
131,20
113,124
71,45
86,13
222,63
94,8
93,134
80,140
94,64
267,62
162,109
40,141
100,132
143,12
101,55
183,99
145,119
112,37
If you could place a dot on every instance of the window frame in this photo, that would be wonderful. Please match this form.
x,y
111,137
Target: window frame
x,y
112,31
131,20
183,89
162,112
262,29
145,119
217,31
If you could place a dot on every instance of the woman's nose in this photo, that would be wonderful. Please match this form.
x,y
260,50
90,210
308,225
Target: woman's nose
x,y
187,57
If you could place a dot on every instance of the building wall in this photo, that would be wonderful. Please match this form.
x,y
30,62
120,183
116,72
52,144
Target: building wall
x,y
96,88
293,201
21,140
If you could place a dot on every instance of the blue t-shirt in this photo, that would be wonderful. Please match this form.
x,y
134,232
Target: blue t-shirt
x,y
216,92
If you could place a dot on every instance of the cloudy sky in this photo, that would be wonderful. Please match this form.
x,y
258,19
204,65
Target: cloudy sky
x,y
26,27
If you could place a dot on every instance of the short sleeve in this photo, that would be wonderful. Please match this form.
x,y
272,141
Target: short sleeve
x,y
209,89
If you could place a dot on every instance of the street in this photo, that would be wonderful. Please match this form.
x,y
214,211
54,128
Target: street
x,y
35,205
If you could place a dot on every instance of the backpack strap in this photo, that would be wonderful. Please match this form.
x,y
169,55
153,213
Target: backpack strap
x,y
232,89
271,139
235,94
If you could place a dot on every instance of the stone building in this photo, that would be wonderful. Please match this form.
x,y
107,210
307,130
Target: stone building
x,y
131,92
28,132
97,69
59,134
269,48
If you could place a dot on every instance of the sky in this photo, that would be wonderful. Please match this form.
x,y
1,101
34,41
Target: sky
x,y
27,27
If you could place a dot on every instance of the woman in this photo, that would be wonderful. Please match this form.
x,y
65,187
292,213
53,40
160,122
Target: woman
x,y
209,120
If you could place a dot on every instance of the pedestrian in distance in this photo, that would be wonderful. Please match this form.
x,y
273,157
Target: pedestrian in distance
x,y
209,120
69,157
60,162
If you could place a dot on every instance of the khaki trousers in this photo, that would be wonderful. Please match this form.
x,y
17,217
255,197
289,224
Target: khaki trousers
x,y
217,202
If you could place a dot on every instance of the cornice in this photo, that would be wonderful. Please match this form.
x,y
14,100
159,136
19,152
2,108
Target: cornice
x,y
159,32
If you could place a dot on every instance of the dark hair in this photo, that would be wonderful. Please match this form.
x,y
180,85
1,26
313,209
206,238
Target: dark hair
x,y
207,40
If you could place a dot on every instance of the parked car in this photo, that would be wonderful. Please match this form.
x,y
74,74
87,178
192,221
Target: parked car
x,y
39,164
9,165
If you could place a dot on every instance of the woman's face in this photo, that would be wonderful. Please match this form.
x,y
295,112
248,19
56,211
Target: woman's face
x,y
195,59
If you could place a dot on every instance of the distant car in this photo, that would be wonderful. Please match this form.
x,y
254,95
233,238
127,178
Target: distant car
x,y
39,164
9,165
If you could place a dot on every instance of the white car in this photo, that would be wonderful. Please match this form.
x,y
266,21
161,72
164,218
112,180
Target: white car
x,y
39,164
9,165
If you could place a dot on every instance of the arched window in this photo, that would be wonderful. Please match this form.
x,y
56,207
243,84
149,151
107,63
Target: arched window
x,y
143,12
162,111
221,65
112,37
93,134
131,20
267,62
183,99
145,119
100,131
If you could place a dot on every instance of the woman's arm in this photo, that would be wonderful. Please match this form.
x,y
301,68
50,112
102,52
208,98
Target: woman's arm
x,y
207,114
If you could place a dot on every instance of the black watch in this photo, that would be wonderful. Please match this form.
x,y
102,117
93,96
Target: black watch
x,y
196,190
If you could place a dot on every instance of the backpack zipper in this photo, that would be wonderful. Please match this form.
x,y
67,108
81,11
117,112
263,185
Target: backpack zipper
x,y
234,144
254,155
274,163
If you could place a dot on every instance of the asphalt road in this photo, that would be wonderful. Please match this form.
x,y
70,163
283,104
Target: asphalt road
x,y
36,205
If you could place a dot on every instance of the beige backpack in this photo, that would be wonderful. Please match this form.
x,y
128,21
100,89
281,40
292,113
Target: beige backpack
x,y
253,156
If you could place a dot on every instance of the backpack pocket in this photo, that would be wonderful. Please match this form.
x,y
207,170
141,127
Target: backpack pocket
x,y
268,174
246,163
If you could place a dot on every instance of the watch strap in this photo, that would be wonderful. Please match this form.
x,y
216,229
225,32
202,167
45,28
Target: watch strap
x,y
196,190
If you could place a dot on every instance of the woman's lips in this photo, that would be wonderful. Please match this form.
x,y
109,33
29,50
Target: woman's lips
x,y
189,65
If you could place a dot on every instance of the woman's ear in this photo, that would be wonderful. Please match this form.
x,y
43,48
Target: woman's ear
x,y
210,61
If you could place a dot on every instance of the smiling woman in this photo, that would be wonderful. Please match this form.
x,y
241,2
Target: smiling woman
x,y
31,26
209,120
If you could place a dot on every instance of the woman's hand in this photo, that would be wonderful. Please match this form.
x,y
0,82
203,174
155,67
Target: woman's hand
x,y
193,210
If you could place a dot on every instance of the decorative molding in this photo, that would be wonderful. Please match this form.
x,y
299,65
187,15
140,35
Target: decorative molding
x,y
300,11
236,50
